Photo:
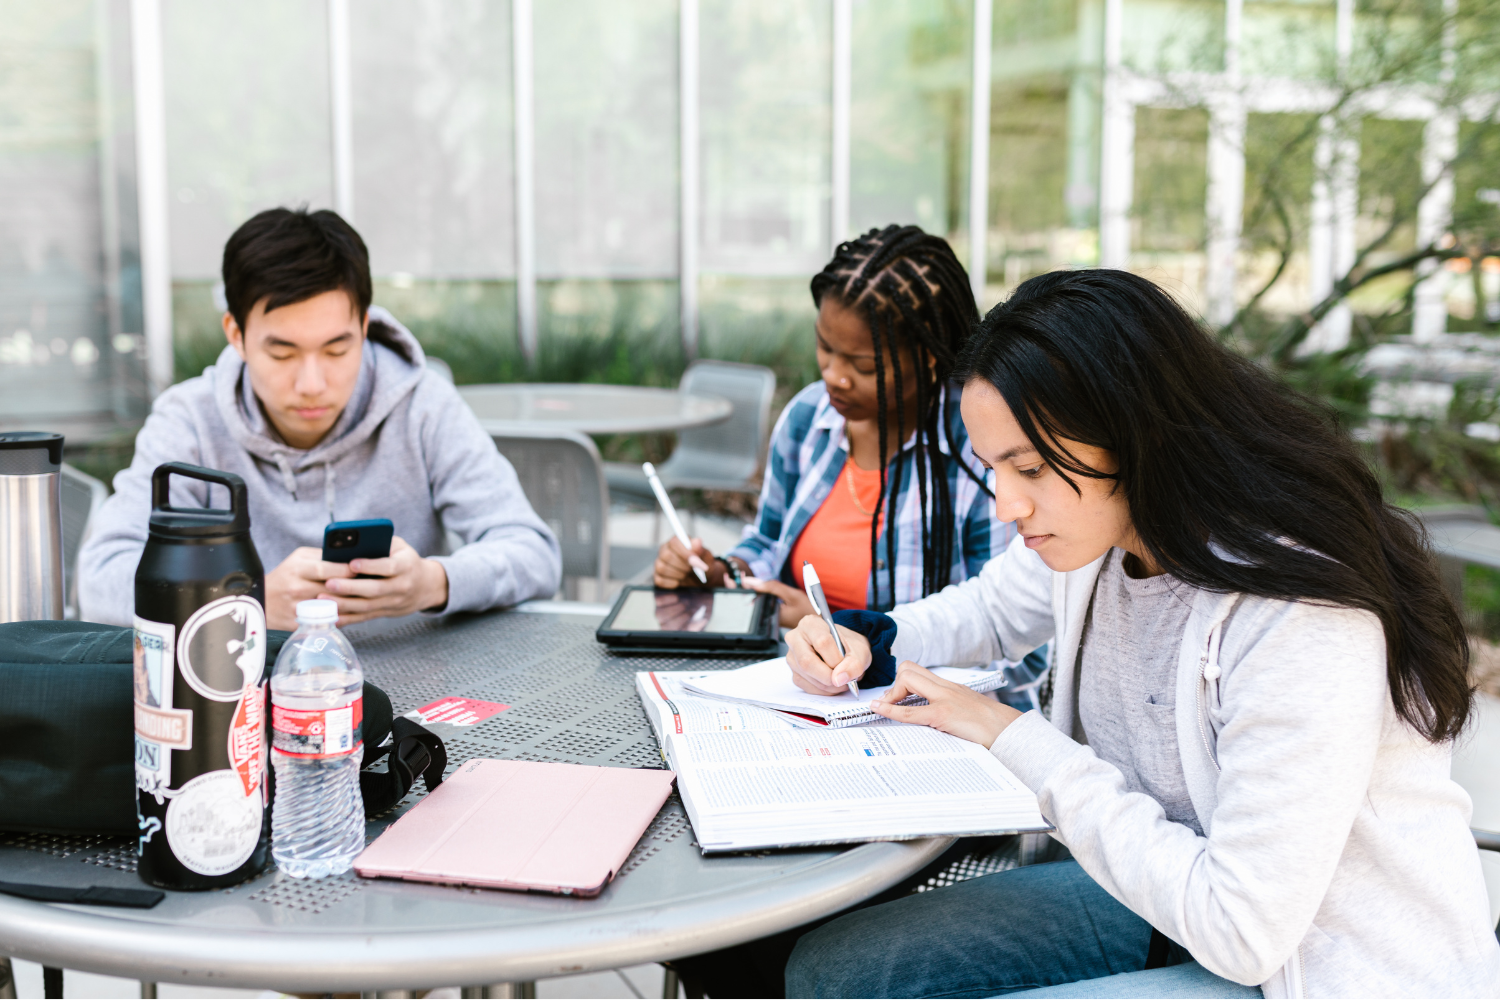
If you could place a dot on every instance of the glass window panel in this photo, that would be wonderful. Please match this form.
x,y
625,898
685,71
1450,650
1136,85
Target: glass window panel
x,y
764,100
434,191
1171,186
1159,36
1287,39
1278,209
606,138
53,362
247,119
909,128
1044,139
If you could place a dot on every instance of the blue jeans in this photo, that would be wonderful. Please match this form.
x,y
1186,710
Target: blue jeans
x,y
1017,930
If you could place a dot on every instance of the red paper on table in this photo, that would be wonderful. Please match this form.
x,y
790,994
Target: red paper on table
x,y
456,711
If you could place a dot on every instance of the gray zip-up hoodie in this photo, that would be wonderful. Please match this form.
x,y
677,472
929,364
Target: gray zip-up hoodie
x,y
1336,859
406,448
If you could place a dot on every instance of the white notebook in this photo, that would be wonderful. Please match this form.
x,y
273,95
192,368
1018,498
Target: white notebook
x,y
750,779
768,684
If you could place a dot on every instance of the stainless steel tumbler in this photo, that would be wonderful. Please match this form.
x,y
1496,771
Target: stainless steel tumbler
x,y
31,556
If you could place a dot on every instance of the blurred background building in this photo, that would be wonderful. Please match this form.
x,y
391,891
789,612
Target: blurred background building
x,y
601,189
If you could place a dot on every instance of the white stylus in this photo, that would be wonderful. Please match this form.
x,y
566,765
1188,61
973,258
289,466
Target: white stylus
x,y
699,567
814,588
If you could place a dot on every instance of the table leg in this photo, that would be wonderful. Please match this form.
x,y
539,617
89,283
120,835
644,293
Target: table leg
x,y
7,980
510,991
669,984
395,994
52,982
148,991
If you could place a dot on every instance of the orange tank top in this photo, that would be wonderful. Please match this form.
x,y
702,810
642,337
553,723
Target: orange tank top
x,y
836,539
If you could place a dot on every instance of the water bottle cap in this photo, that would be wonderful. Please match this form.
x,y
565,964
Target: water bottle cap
x,y
317,612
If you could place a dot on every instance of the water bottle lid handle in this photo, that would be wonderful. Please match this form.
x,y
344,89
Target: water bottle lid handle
x,y
198,521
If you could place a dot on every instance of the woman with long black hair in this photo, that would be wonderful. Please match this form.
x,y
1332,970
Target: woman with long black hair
x,y
1257,681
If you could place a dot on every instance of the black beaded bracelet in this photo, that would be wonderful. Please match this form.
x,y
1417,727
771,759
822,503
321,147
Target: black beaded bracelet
x,y
732,570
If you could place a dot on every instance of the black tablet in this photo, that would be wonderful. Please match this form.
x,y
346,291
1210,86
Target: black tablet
x,y
681,621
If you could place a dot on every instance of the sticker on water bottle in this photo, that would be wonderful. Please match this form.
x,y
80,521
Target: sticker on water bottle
x,y
333,732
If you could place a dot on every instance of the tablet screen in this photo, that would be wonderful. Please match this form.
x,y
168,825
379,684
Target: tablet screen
x,y
686,611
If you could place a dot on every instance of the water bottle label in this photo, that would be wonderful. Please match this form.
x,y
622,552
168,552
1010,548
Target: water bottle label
x,y
222,649
333,732
159,728
247,738
212,826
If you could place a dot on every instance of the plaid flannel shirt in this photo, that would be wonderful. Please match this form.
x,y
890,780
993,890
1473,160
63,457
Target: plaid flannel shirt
x,y
808,451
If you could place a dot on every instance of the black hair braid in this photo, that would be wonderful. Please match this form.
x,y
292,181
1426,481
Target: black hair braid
x,y
913,293
880,496
899,466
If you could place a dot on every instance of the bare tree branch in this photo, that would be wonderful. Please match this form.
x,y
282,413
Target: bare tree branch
x,y
1298,327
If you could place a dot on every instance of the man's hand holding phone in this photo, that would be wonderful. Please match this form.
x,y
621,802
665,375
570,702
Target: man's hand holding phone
x,y
399,584
302,576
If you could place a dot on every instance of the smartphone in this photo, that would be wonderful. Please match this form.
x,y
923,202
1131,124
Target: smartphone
x,y
345,541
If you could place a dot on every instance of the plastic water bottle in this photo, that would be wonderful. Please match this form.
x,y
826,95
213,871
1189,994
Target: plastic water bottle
x,y
317,817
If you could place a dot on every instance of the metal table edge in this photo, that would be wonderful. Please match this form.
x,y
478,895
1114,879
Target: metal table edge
x,y
74,938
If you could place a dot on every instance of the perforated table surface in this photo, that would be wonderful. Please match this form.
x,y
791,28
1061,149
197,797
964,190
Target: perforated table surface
x,y
570,701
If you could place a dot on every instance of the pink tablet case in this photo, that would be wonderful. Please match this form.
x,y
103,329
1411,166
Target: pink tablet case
x,y
510,824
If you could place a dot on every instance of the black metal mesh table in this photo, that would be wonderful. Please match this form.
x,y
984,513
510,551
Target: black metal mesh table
x,y
569,701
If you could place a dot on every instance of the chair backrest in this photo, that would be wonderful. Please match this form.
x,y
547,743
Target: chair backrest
x,y
563,477
725,455
441,367
81,497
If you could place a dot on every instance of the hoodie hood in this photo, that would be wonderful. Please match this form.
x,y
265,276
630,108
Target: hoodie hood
x,y
385,379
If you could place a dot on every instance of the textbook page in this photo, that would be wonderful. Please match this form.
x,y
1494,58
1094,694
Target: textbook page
x,y
672,709
753,789
768,684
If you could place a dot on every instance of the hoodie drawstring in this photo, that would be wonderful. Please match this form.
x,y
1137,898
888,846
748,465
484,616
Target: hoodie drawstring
x,y
287,478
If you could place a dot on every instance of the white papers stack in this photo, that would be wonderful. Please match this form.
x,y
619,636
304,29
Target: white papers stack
x,y
750,779
768,684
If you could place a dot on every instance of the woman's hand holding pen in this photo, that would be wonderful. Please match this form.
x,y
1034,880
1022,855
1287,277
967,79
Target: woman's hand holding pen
x,y
814,657
951,708
674,568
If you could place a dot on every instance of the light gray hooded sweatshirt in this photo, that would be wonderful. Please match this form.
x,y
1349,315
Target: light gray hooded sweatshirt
x,y
406,448
1336,858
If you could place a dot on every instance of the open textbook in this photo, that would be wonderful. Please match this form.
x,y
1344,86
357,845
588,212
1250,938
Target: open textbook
x,y
768,684
751,779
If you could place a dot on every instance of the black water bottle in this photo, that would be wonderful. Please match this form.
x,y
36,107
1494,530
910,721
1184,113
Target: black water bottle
x,y
200,696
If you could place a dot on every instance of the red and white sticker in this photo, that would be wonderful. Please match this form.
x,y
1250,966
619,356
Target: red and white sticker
x,y
333,732
247,738
456,711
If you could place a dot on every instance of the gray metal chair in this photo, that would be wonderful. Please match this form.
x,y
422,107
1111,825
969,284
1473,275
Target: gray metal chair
x,y
81,497
441,368
563,478
725,456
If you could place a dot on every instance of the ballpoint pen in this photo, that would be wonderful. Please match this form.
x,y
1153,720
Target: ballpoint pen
x,y
699,567
814,588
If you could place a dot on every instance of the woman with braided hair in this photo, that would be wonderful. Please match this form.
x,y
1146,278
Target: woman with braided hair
x,y
870,476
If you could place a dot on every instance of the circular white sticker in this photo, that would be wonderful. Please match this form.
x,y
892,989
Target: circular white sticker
x,y
212,825
223,647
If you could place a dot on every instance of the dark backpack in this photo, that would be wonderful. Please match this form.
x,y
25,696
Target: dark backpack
x,y
67,743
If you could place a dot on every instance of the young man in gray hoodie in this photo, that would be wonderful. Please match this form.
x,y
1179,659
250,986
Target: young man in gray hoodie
x,y
324,405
